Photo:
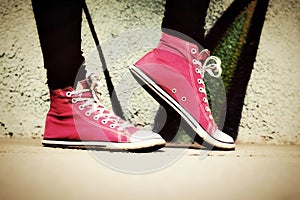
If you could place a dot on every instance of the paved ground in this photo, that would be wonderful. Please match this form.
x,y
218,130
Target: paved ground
x,y
29,171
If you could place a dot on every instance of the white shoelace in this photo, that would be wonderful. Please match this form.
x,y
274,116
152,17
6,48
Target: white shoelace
x,y
211,65
97,107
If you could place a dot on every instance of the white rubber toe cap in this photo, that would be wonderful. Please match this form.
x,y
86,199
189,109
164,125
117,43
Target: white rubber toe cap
x,y
223,137
143,135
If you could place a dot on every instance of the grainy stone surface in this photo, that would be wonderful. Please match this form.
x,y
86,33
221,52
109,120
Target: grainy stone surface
x,y
272,103
24,95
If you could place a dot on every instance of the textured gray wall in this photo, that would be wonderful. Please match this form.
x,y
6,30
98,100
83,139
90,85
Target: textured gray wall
x,y
271,112
272,107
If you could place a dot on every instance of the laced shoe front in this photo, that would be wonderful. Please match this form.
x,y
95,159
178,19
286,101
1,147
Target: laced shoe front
x,y
175,72
78,118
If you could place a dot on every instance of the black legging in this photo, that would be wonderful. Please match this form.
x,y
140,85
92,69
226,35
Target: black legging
x,y
59,28
186,17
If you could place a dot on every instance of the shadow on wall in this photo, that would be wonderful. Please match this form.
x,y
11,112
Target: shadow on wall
x,y
234,39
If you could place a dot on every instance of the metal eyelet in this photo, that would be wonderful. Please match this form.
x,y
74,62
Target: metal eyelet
x,y
81,107
210,117
96,117
207,109
68,94
103,121
193,51
195,61
87,113
112,126
197,70
74,100
205,100
183,98
174,90
200,81
201,90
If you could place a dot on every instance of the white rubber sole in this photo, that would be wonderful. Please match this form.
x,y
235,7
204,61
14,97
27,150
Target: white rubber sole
x,y
179,109
151,144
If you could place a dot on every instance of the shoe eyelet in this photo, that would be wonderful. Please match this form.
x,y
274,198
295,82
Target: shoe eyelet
x,y
210,117
197,70
87,113
96,117
201,90
183,98
103,121
193,51
207,109
195,61
74,100
200,81
112,126
81,107
68,94
205,100
174,90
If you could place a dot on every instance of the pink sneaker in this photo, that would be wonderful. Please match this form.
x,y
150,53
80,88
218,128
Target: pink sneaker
x,y
77,118
175,71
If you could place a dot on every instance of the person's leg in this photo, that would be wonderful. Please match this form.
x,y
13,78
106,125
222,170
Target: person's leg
x,y
186,17
59,28
77,116
174,71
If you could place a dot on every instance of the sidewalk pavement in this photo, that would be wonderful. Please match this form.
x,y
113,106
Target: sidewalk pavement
x,y
30,171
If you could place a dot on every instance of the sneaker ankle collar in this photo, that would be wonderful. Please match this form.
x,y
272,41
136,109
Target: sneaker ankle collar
x,y
178,46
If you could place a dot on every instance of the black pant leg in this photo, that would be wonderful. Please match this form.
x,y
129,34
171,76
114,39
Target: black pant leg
x,y
186,17
59,28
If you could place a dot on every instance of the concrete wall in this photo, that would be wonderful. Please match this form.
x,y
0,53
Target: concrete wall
x,y
272,106
271,112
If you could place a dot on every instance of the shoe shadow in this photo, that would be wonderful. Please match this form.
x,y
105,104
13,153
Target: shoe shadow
x,y
154,149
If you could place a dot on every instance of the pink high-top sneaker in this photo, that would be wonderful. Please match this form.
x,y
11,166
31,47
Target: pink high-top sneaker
x,y
175,71
78,118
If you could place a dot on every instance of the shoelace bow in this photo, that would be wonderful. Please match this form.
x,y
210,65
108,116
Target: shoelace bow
x,y
211,64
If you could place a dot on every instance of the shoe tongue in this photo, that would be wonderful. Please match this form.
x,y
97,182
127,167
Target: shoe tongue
x,y
204,54
93,84
81,85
